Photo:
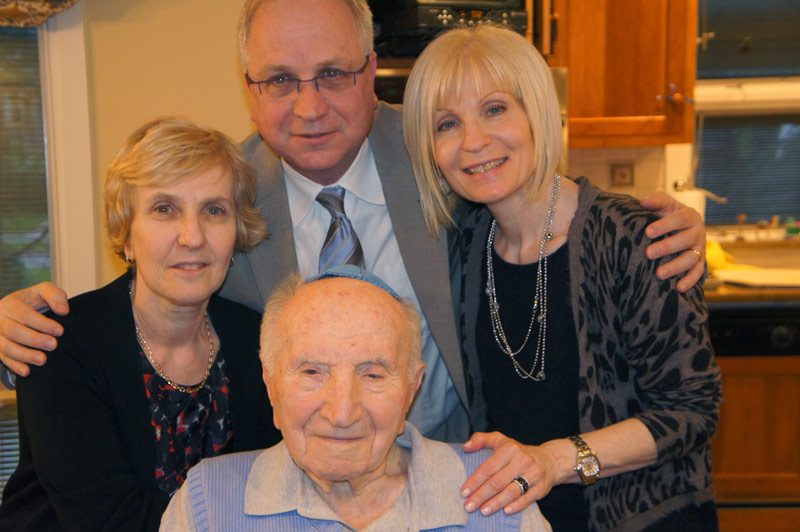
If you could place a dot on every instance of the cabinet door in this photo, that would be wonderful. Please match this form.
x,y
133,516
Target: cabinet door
x,y
755,450
623,58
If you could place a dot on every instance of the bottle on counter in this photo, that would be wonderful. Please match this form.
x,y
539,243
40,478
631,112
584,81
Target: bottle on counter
x,y
792,229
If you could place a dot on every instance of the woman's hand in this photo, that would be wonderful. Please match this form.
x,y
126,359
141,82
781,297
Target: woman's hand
x,y
492,487
690,239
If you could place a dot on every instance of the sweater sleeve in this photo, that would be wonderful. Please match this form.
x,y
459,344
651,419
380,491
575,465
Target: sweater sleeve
x,y
651,340
77,450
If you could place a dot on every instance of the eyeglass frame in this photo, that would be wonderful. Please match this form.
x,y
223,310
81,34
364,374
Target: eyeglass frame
x,y
315,79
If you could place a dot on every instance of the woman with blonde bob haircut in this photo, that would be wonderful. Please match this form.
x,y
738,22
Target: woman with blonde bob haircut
x,y
153,372
597,378
512,64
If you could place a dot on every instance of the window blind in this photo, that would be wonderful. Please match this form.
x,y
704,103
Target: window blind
x,y
24,238
24,230
754,161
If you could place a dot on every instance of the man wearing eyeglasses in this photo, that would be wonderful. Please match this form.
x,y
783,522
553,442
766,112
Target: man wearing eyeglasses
x,y
310,71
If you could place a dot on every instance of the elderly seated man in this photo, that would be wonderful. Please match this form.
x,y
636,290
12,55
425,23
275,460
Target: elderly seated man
x,y
342,362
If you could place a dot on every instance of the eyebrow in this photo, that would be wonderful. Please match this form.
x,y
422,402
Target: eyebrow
x,y
377,362
271,70
163,196
492,95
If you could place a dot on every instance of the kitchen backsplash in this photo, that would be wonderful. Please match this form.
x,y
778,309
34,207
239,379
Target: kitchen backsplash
x,y
653,167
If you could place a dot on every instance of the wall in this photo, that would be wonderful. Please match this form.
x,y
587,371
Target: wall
x,y
595,163
150,57
654,168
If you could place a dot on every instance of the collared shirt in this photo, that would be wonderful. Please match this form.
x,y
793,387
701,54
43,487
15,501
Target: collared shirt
x,y
365,206
276,486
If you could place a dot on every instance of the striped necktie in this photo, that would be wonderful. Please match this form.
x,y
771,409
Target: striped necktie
x,y
341,243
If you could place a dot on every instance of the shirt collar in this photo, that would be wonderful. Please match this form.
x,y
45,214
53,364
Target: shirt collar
x,y
360,179
435,474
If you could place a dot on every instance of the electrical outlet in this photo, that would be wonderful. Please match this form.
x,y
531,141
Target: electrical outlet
x,y
622,174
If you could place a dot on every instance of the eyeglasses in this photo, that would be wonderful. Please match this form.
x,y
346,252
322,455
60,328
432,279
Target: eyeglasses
x,y
330,81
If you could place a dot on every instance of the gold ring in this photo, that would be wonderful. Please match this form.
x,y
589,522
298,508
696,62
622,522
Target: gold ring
x,y
699,256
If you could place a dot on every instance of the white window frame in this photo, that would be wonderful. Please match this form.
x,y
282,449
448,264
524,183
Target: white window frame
x,y
68,150
747,96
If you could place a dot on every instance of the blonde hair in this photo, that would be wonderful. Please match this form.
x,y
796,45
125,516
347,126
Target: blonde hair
x,y
163,152
362,17
464,53
274,340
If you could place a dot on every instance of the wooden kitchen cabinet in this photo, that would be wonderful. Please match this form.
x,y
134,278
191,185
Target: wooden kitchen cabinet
x,y
622,55
755,451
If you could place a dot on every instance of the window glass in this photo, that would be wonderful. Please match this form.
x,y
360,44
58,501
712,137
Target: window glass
x,y
751,38
24,231
753,161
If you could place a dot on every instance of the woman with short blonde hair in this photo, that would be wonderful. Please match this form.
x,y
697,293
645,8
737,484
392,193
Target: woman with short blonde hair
x,y
590,370
153,372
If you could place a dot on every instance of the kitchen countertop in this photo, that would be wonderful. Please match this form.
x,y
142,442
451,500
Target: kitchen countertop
x,y
758,251
729,293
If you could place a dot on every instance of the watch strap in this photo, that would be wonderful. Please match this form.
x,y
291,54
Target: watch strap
x,y
586,457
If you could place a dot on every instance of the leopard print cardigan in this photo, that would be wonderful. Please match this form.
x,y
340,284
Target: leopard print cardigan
x,y
644,353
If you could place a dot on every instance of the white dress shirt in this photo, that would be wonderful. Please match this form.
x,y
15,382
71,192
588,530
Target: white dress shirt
x,y
365,206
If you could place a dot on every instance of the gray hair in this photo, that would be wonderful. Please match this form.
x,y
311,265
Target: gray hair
x,y
362,17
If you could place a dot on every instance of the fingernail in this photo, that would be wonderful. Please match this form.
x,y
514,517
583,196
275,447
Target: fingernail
x,y
466,492
508,509
470,506
486,510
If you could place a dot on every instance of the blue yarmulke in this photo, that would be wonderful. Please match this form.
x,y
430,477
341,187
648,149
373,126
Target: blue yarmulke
x,y
354,272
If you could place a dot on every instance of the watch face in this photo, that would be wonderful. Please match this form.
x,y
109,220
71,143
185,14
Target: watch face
x,y
589,466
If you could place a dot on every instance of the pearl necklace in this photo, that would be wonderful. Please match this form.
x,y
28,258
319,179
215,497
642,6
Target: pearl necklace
x,y
539,301
163,374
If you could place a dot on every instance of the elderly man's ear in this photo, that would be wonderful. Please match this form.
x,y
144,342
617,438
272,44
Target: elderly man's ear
x,y
265,376
416,383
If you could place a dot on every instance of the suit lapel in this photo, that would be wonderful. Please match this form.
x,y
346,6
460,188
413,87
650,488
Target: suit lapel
x,y
425,258
275,258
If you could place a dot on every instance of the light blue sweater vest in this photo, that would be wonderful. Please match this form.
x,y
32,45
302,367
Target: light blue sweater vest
x,y
217,487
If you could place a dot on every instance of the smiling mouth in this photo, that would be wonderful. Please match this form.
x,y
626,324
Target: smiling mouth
x,y
341,439
314,135
193,266
485,167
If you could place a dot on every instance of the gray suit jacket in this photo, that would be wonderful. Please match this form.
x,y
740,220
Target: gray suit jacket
x,y
255,274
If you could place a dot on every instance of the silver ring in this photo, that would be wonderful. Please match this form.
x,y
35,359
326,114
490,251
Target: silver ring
x,y
699,256
522,483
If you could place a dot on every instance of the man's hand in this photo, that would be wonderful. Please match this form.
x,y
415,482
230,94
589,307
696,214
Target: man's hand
x,y
24,332
690,239
493,481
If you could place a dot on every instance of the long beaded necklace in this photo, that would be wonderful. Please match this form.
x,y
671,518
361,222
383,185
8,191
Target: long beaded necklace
x,y
539,301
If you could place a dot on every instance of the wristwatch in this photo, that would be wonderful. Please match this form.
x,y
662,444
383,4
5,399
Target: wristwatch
x,y
588,467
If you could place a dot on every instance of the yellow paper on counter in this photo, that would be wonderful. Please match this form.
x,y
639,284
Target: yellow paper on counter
x,y
719,259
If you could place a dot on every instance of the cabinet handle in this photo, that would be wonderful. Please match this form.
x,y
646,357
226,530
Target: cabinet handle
x,y
674,96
